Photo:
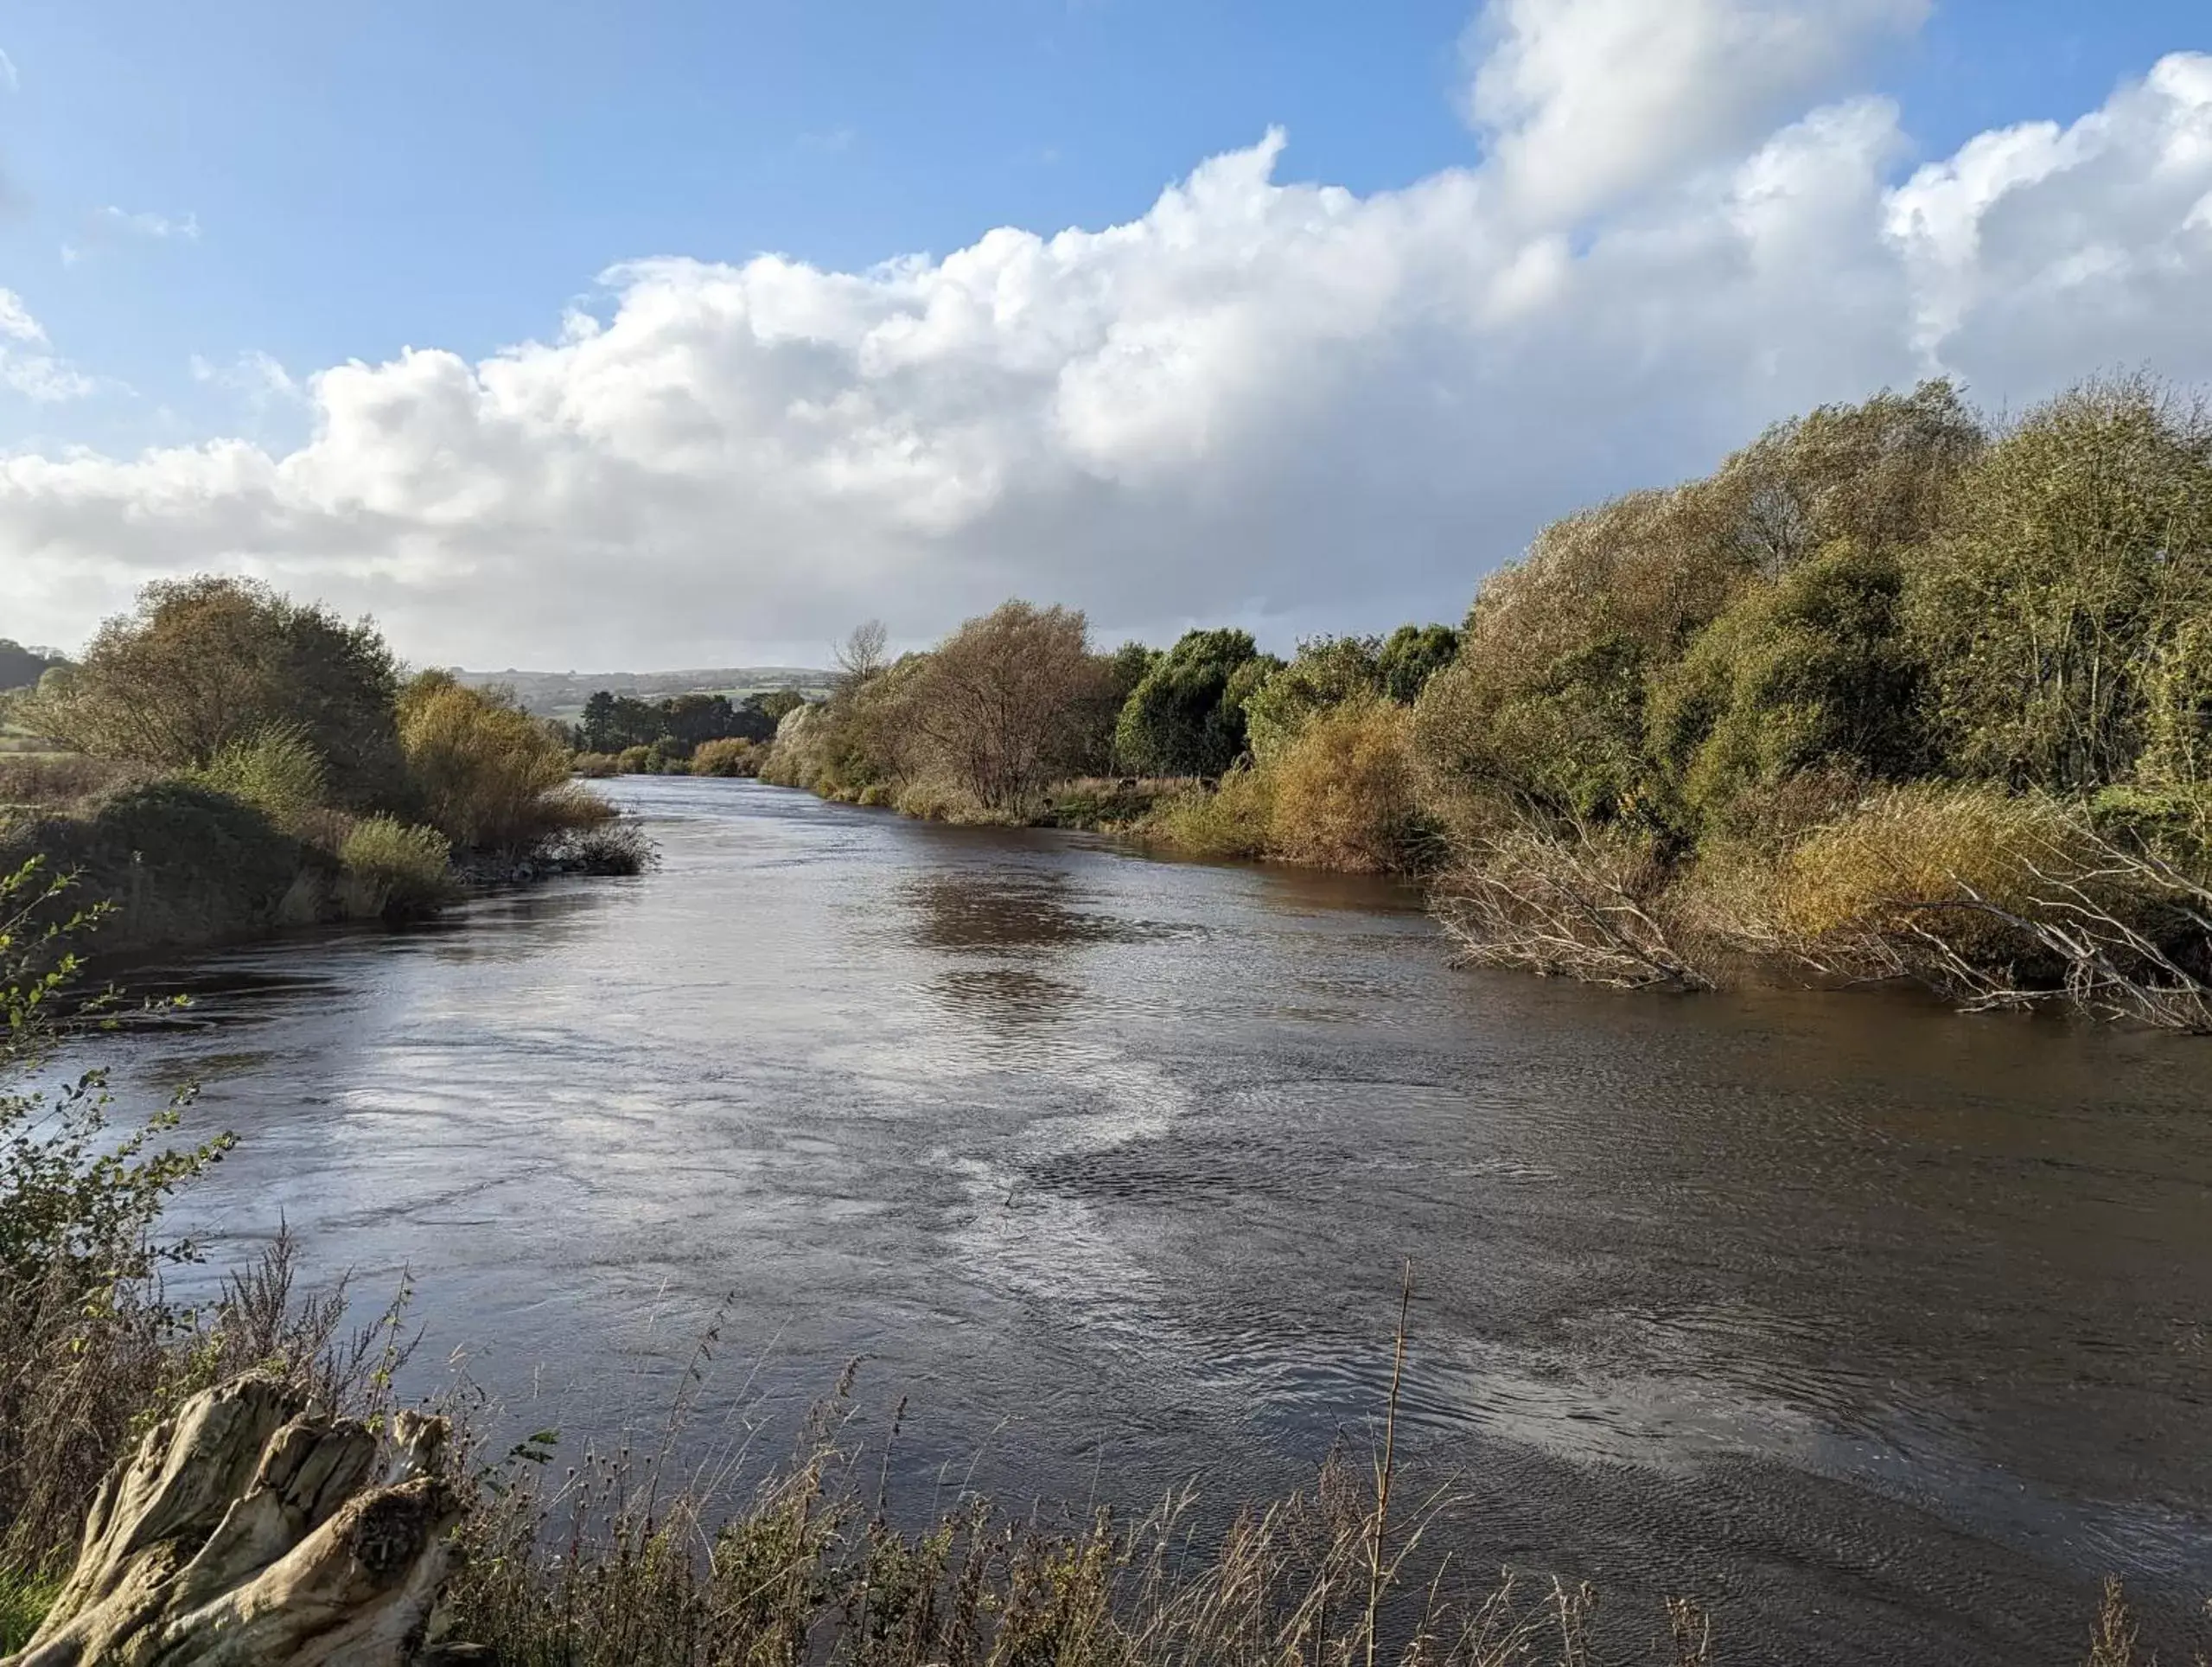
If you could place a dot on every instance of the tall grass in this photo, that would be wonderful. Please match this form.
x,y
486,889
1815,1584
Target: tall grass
x,y
24,1600
1230,822
604,1568
592,1572
278,771
394,868
60,781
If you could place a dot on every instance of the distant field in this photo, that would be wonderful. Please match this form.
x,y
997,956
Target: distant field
x,y
15,740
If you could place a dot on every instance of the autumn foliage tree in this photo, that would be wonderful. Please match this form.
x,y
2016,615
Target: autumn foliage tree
x,y
1009,703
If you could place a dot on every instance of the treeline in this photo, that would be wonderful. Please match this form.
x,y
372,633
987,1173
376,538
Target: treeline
x,y
1013,717
1898,690
622,734
22,667
224,759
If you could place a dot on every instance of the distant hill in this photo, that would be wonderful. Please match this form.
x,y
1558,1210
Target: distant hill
x,y
562,695
19,667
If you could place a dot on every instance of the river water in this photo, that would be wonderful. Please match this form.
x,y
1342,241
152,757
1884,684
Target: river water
x,y
1882,1330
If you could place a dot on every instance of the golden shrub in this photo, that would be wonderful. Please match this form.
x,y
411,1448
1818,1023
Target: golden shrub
x,y
1921,856
489,774
1344,793
730,756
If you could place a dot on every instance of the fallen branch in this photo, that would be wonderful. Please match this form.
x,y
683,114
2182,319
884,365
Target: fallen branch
x,y
1553,902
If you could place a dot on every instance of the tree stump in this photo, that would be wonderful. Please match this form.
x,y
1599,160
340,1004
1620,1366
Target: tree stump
x,y
248,1531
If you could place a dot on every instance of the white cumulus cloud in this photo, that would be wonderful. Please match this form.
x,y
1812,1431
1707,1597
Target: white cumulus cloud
x,y
1278,402
1585,101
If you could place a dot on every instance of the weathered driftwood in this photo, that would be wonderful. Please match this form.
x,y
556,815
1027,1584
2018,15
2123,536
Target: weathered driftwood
x,y
248,1531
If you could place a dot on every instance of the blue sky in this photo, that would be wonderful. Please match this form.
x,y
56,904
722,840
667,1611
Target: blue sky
x,y
417,171
188,185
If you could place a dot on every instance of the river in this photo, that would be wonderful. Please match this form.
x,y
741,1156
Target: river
x,y
1882,1330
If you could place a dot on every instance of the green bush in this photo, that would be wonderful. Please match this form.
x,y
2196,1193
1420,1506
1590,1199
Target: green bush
x,y
179,863
2172,820
637,760
1327,671
2077,560
1814,671
1229,821
276,771
395,869
1412,654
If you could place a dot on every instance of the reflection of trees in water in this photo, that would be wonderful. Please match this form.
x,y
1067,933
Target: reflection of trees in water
x,y
1002,912
993,915
518,925
1005,996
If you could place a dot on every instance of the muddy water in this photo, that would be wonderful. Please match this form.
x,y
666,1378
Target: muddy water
x,y
1884,1330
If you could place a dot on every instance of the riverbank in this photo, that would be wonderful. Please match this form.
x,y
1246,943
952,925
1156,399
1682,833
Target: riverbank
x,y
1901,691
176,864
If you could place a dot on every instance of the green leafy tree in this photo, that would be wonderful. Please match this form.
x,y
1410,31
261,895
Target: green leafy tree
x,y
693,718
2079,554
614,723
595,730
771,706
22,667
1814,671
1881,474
1324,673
1411,656
202,663
1186,715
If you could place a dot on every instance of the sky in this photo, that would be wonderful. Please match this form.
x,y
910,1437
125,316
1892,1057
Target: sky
x,y
583,335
